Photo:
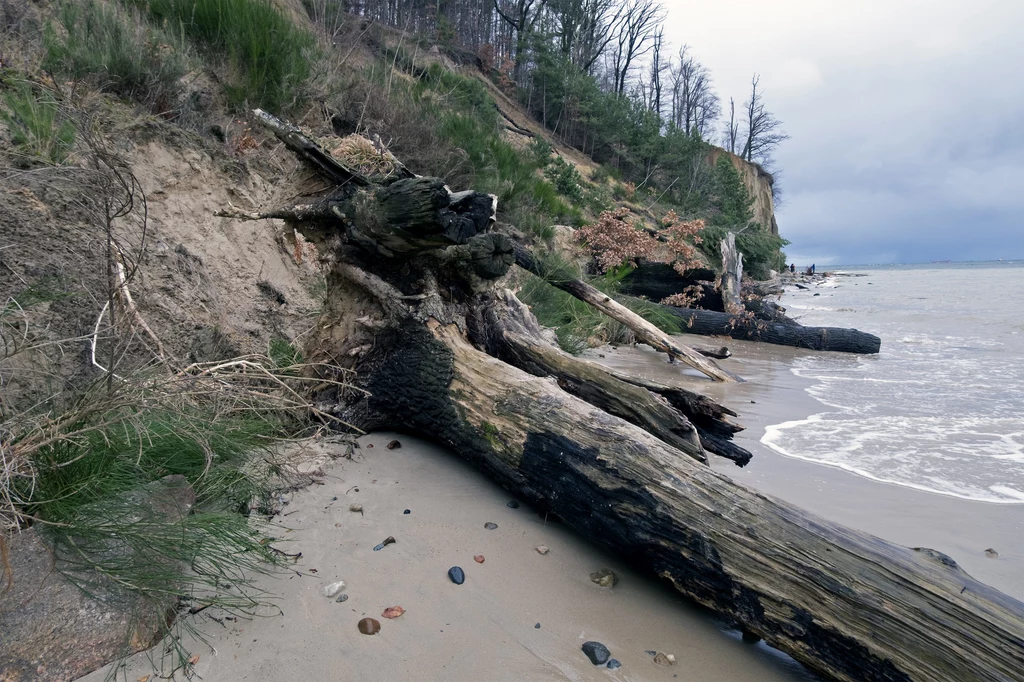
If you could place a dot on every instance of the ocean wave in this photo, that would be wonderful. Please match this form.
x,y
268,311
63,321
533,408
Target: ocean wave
x,y
964,457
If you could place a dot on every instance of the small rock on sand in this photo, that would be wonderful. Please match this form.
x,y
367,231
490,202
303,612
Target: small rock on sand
x,y
333,589
356,508
393,445
479,558
387,541
512,504
665,659
542,549
490,526
342,598
457,575
604,577
614,664
369,626
597,653
991,553
393,612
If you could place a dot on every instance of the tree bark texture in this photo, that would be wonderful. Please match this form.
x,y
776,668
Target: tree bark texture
x,y
732,275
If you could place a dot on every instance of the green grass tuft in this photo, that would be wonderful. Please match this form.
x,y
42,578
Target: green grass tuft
x,y
37,125
268,54
115,49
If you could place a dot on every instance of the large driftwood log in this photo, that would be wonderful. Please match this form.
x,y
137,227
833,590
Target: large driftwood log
x,y
462,362
749,328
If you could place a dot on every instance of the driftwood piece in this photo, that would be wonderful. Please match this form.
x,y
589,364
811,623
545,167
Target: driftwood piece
x,y
731,280
711,323
644,330
309,151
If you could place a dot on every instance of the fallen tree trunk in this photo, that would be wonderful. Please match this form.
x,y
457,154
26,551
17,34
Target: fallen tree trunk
x,y
644,330
749,328
658,281
444,351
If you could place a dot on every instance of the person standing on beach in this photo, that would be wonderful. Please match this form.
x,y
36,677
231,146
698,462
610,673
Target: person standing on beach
x,y
792,268
812,268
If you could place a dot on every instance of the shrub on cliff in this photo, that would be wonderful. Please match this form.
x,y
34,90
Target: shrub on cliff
x,y
115,50
267,54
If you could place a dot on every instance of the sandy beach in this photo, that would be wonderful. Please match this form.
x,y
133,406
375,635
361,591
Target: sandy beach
x,y
486,629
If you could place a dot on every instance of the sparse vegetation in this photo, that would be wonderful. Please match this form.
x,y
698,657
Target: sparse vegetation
x,y
37,125
268,56
117,51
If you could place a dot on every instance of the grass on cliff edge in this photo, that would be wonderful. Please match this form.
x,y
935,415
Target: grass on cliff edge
x,y
269,55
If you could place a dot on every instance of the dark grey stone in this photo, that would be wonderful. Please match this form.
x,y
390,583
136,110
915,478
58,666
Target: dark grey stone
x,y
457,575
597,653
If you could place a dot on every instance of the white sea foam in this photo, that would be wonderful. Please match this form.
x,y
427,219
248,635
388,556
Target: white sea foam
x,y
936,410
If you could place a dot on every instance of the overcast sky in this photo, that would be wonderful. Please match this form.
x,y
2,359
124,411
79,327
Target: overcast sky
x,y
906,119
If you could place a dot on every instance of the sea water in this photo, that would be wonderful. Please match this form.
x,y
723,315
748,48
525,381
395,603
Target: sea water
x,y
941,407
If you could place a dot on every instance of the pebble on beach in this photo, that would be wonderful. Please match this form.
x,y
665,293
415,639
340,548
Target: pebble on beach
x,y
665,659
393,612
542,549
604,577
597,653
991,553
479,558
512,504
356,508
490,526
537,626
407,511
333,589
369,626
387,541
342,598
457,575
614,664
393,445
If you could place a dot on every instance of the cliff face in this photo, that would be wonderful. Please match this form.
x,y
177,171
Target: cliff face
x,y
759,184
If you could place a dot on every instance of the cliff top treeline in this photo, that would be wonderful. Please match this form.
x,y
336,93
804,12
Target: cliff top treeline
x,y
595,74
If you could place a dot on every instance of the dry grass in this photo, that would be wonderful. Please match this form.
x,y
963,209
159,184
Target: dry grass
x,y
367,156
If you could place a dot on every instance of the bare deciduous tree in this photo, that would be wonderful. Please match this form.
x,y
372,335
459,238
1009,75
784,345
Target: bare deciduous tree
x,y
695,105
635,35
520,16
763,129
732,129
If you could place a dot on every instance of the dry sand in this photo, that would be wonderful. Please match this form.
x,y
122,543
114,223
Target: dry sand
x,y
485,629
